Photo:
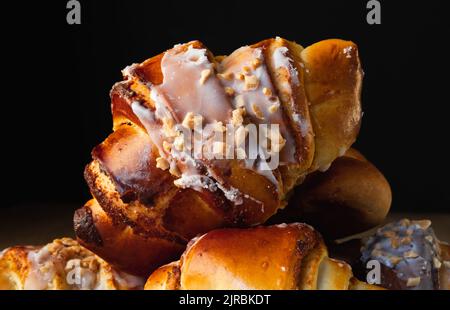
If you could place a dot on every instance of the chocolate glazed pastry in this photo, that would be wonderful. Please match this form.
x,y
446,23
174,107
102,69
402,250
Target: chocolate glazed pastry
x,y
151,197
410,255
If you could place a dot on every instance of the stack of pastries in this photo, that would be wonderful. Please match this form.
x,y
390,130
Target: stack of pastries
x,y
165,214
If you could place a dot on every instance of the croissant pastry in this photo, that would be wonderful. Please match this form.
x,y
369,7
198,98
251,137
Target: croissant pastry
x,y
152,195
60,265
352,192
279,257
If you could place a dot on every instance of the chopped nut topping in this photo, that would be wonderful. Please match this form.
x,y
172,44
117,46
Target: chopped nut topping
x,y
410,254
424,224
437,263
395,260
429,239
229,91
406,240
198,120
204,75
413,282
175,171
446,264
273,108
257,111
168,127
251,82
256,63
389,234
218,126
226,76
240,153
168,122
240,135
404,222
179,183
246,69
239,76
395,242
167,146
274,145
240,102
162,163
267,92
192,121
178,143
238,117
188,121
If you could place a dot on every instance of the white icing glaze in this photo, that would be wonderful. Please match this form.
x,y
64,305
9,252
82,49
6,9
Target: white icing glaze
x,y
282,60
182,71
234,63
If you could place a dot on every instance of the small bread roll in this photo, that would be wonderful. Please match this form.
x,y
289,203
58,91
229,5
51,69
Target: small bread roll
x,y
350,197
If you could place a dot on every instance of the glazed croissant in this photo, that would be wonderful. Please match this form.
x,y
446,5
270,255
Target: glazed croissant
x,y
151,195
280,257
60,265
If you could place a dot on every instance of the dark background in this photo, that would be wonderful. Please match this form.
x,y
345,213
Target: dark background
x,y
57,79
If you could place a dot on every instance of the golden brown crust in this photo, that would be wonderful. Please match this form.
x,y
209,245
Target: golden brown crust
x,y
121,245
288,256
352,192
333,80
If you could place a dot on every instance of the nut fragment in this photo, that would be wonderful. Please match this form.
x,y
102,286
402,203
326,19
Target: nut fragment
x,y
277,142
219,127
251,82
246,69
437,263
192,121
162,163
429,239
273,108
175,171
204,75
256,63
167,146
447,264
395,260
267,91
226,76
238,117
229,91
178,143
239,76
168,127
424,224
257,111
413,282
410,254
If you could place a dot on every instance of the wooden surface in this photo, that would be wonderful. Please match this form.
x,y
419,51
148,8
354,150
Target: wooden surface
x,y
41,224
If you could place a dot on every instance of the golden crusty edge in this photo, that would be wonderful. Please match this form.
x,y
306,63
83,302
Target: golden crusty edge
x,y
282,257
352,192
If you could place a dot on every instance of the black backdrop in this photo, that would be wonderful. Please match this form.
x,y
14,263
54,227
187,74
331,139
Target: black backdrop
x,y
55,104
